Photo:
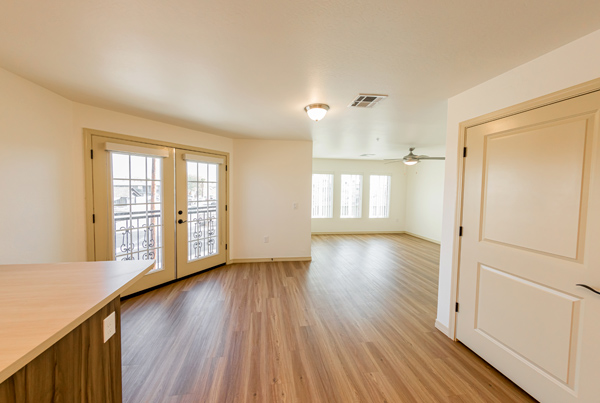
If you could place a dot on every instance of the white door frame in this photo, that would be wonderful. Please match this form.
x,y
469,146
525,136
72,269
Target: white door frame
x,y
558,96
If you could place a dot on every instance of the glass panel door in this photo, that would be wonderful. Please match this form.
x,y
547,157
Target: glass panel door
x,y
201,204
133,205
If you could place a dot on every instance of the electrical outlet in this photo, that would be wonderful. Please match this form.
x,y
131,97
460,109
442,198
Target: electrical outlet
x,y
110,326
295,206
266,239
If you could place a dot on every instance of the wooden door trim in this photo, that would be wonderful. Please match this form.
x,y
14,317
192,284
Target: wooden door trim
x,y
545,100
89,189
119,136
89,197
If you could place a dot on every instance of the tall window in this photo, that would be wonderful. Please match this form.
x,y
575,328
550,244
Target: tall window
x,y
322,196
379,206
351,196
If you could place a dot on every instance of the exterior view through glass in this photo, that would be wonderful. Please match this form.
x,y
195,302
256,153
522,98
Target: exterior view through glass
x,y
137,208
203,203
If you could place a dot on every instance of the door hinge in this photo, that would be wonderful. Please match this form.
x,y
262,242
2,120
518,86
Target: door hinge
x,y
225,246
459,231
93,218
464,152
226,207
92,154
226,167
456,307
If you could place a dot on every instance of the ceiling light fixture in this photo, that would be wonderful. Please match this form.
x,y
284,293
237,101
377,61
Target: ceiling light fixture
x,y
410,162
316,111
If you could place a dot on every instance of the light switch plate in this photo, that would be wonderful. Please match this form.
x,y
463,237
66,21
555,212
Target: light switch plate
x,y
110,326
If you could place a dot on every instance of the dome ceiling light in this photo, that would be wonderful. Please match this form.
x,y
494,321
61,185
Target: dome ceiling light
x,y
316,111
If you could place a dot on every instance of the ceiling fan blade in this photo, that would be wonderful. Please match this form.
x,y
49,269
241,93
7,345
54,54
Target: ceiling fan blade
x,y
421,157
391,161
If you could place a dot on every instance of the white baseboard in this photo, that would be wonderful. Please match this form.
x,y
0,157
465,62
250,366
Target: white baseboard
x,y
422,237
358,232
271,259
375,233
442,328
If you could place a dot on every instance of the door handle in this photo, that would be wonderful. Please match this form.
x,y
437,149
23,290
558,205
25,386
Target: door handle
x,y
589,288
180,221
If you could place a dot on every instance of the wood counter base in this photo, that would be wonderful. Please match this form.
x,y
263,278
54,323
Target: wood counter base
x,y
80,367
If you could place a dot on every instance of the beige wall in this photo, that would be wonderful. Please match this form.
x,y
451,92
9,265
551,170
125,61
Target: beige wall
x,y
337,167
42,204
270,176
425,195
564,67
41,194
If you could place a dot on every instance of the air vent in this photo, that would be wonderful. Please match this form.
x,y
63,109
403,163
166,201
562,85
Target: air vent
x,y
366,100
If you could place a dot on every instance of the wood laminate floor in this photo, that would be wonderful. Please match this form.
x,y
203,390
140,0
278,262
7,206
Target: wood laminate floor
x,y
354,325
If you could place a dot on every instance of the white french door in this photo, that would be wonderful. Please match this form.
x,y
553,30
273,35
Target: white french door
x,y
141,191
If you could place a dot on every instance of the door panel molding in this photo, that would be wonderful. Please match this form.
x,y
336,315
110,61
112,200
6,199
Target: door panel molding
x,y
505,160
502,294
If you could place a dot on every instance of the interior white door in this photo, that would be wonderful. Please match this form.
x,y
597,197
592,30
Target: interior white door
x,y
531,233
201,205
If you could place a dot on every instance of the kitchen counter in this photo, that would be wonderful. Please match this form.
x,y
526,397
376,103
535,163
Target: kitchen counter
x,y
42,303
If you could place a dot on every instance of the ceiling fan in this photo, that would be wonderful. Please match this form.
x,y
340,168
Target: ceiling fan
x,y
412,159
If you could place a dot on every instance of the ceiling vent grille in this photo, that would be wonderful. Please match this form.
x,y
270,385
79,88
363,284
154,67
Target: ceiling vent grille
x,y
366,100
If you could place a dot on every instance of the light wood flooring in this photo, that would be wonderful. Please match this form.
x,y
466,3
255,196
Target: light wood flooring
x,y
354,325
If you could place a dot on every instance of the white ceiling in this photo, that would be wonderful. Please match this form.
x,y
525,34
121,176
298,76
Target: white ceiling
x,y
246,69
